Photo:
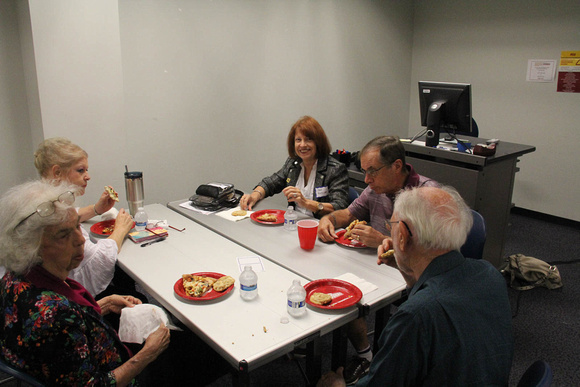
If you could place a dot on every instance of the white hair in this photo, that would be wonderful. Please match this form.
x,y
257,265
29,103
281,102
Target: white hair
x,y
439,221
20,242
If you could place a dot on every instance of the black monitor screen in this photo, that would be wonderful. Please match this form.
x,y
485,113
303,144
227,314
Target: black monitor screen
x,y
445,108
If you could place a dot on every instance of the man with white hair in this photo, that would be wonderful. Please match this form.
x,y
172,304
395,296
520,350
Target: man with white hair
x,y
455,328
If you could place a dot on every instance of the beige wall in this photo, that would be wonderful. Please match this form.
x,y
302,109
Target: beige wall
x,y
15,134
189,91
488,44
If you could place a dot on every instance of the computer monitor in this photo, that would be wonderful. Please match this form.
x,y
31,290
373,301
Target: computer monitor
x,y
445,108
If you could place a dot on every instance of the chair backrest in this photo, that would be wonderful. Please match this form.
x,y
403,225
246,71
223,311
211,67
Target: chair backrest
x,y
539,374
352,194
474,128
19,375
473,246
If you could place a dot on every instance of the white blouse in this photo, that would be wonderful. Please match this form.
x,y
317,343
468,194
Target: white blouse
x,y
97,268
308,189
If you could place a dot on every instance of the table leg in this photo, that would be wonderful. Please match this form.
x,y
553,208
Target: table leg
x,y
241,376
339,348
313,361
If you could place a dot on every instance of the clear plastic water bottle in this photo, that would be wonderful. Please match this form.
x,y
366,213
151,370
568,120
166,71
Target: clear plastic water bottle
x,y
296,299
290,219
248,283
140,219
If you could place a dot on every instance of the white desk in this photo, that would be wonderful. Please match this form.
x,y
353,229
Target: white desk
x,y
326,260
238,333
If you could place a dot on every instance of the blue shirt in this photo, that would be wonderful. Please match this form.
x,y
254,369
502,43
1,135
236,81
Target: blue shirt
x,y
455,329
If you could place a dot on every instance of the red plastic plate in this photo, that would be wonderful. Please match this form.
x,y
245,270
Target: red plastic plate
x,y
210,295
98,228
279,215
344,294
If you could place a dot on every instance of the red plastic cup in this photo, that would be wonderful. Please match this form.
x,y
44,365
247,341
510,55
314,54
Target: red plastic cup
x,y
307,231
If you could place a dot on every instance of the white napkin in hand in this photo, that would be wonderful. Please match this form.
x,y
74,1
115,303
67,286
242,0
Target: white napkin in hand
x,y
138,322
364,286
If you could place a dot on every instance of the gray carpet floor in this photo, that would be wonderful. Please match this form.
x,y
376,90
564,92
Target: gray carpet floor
x,y
546,322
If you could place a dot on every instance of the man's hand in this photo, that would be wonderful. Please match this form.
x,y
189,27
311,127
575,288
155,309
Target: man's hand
x,y
367,235
326,231
384,247
329,223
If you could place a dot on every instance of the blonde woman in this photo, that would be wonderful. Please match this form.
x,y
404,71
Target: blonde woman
x,y
59,160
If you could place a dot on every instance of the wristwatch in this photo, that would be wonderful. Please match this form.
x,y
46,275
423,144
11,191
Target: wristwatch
x,y
319,207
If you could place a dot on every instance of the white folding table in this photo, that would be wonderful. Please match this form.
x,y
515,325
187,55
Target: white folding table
x,y
326,260
246,334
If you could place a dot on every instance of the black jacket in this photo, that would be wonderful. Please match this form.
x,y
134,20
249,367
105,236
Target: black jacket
x,y
330,173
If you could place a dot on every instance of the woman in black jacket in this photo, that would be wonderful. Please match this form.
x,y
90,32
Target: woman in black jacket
x,y
310,178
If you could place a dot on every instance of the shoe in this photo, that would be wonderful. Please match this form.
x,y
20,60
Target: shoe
x,y
356,368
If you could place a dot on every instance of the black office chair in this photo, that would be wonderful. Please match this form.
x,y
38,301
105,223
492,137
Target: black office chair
x,y
473,246
352,194
17,375
474,128
539,374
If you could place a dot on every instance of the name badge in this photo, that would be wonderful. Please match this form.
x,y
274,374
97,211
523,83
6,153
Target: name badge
x,y
321,192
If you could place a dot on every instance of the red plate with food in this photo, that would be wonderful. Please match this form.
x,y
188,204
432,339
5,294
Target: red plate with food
x,y
105,227
342,293
209,294
341,240
272,217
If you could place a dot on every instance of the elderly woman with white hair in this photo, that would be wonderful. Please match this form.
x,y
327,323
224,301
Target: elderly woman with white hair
x,y
52,328
58,160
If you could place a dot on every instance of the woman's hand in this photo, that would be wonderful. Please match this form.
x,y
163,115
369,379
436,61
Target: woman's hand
x,y
105,203
248,201
294,194
123,224
115,303
157,342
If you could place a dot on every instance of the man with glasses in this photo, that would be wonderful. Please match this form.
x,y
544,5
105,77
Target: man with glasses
x,y
455,328
386,173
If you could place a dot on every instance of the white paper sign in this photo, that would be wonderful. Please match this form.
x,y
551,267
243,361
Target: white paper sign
x,y
541,70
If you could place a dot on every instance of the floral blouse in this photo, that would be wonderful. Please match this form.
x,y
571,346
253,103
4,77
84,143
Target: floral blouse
x,y
54,339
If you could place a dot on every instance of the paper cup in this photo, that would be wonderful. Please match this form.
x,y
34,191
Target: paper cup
x,y
307,231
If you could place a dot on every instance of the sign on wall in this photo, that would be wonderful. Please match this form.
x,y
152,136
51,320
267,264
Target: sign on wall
x,y
569,72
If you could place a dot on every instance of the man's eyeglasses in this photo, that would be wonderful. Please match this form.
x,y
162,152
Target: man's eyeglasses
x,y
47,208
389,225
372,172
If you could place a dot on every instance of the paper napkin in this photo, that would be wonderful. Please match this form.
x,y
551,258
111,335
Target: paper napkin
x,y
364,286
227,214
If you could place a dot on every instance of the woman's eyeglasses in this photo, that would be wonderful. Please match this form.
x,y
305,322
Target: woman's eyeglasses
x,y
47,208
389,225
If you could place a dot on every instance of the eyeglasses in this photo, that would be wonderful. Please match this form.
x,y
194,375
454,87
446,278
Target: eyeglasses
x,y
389,225
47,208
372,172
